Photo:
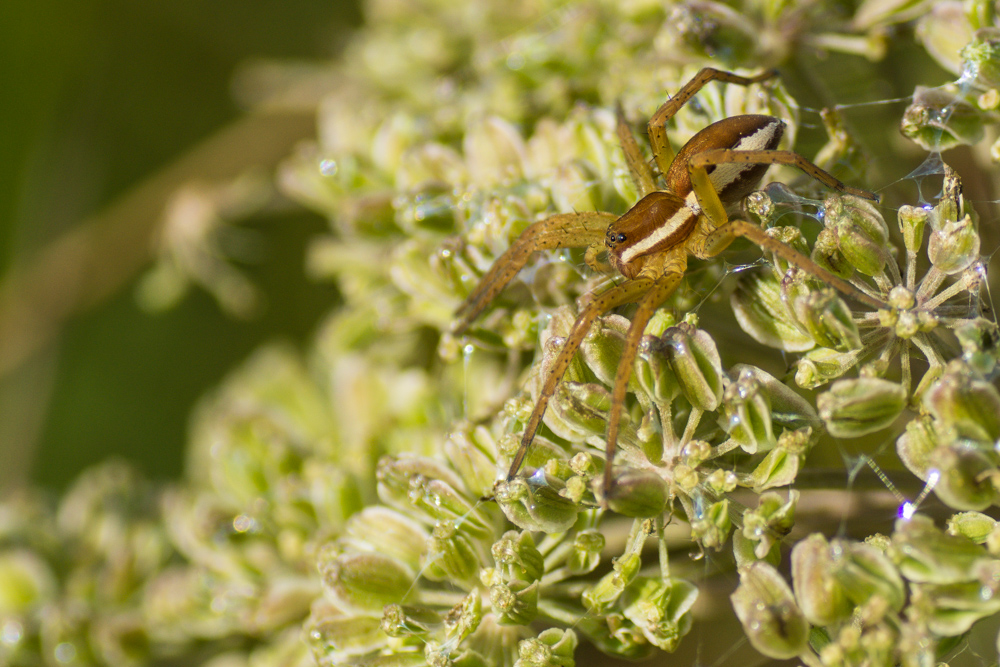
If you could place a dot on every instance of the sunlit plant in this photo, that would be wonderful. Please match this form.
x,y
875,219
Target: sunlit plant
x,y
355,505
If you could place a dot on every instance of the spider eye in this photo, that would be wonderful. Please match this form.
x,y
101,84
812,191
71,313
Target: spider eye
x,y
620,238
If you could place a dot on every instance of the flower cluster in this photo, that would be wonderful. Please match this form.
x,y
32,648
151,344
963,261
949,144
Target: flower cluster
x,y
342,507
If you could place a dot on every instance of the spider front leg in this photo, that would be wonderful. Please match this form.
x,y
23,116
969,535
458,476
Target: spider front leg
x,y
630,291
725,231
566,230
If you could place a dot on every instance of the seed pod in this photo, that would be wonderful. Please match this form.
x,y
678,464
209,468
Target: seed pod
x,y
517,557
515,603
653,371
409,620
912,220
450,555
553,647
865,572
939,119
954,246
759,306
965,403
925,554
981,57
601,596
965,476
852,408
748,413
365,583
344,637
828,320
637,493
973,526
820,596
695,361
531,505
772,621
661,609
586,554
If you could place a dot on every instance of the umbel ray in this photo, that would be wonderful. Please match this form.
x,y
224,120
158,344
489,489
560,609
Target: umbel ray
x,y
649,245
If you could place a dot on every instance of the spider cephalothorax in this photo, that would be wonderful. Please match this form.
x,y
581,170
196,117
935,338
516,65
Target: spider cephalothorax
x,y
649,245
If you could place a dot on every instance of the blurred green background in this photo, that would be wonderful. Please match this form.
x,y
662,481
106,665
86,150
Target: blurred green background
x,y
101,98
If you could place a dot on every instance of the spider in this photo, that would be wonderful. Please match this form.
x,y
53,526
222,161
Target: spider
x,y
650,243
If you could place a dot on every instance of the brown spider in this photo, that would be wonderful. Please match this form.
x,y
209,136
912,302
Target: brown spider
x,y
650,243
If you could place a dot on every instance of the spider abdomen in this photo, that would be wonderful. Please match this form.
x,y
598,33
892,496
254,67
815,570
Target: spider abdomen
x,y
732,180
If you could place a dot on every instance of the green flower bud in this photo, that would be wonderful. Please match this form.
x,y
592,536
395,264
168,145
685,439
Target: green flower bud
x,y
862,234
365,583
402,621
602,348
464,618
820,596
938,119
429,486
582,408
864,572
980,341
340,638
551,648
531,505
819,366
661,609
981,57
967,404
711,528
586,554
964,476
778,468
517,557
973,526
950,610
613,634
494,152
601,596
827,253
748,413
955,246
772,621
828,320
450,555
770,521
916,444
653,371
925,554
515,603
695,361
473,452
26,582
637,493
852,408
760,310
912,220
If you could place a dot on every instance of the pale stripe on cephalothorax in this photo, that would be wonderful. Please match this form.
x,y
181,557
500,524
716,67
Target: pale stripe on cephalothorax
x,y
678,221
721,176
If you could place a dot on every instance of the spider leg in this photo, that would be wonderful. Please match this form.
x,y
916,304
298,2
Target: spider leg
x,y
659,291
566,230
724,235
657,128
725,230
628,292
638,168
717,156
